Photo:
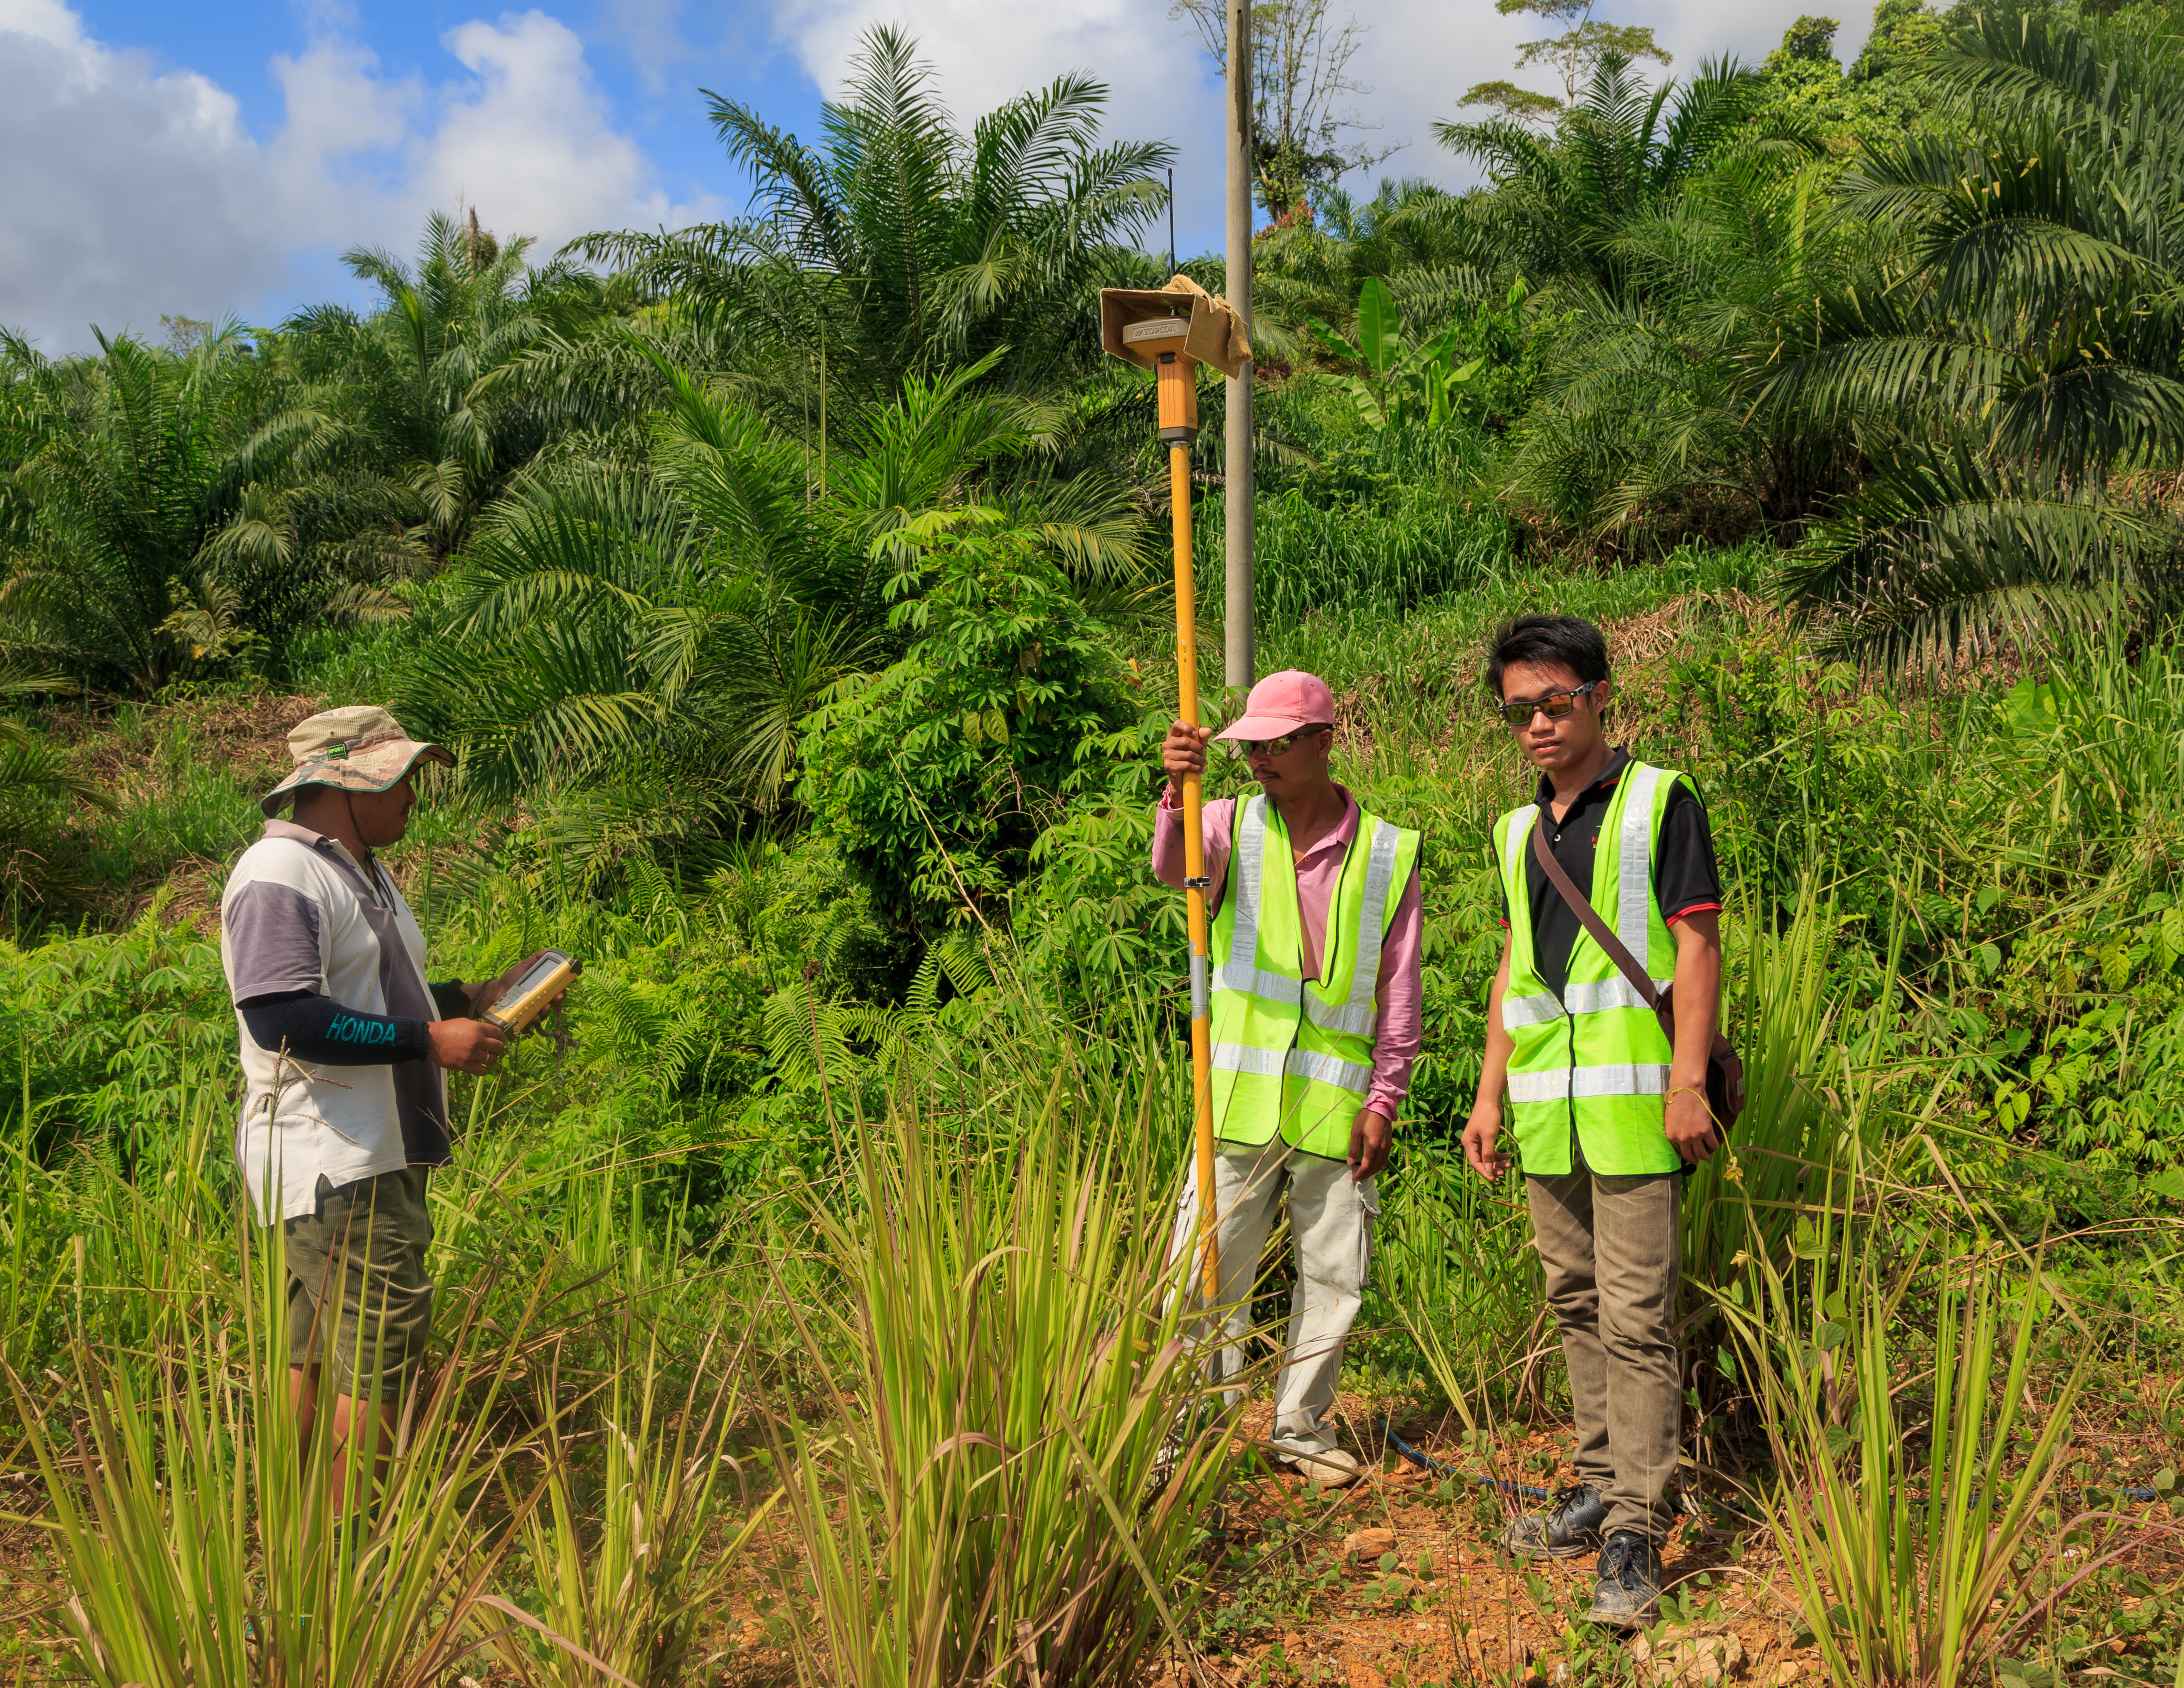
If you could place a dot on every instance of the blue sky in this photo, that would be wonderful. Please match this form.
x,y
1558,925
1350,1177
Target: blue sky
x,y
210,157
649,59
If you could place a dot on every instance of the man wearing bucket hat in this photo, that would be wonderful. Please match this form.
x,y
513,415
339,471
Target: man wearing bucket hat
x,y
1318,921
344,1109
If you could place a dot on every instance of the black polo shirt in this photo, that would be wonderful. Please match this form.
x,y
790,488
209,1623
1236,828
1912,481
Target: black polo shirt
x,y
1686,879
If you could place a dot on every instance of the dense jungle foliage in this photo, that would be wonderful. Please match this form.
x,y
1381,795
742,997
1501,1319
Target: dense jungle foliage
x,y
792,592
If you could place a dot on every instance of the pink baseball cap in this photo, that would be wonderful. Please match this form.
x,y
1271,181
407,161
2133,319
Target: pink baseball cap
x,y
1281,703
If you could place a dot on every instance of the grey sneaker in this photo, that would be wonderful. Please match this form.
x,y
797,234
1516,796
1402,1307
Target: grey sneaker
x,y
1628,1595
1569,1527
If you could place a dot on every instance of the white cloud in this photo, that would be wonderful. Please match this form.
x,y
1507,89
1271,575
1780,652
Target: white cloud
x,y
532,141
650,31
339,106
527,138
118,175
134,191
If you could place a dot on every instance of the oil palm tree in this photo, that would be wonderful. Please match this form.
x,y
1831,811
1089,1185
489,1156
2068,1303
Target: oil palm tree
x,y
39,865
123,472
2016,374
664,628
424,396
1619,153
165,514
29,767
1436,250
901,246
1645,431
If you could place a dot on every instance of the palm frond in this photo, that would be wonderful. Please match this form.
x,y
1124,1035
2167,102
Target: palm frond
x,y
1944,554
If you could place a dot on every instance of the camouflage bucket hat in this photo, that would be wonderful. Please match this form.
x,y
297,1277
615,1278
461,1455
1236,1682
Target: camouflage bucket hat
x,y
361,748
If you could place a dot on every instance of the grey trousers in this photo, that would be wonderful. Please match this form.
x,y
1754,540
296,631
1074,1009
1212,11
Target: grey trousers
x,y
1609,1247
1331,1224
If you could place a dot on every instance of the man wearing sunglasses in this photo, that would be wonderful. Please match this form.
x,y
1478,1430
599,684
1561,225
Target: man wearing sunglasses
x,y
1606,1112
1317,927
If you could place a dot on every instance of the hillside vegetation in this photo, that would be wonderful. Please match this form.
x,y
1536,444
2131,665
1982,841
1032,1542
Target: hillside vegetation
x,y
792,592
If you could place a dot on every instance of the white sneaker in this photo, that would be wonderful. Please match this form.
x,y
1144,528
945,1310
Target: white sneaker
x,y
1331,1468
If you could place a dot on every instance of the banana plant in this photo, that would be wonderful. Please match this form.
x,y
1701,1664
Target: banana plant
x,y
1403,383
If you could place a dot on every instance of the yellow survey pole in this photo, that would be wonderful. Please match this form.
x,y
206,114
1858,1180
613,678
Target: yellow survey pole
x,y
1179,397
1171,331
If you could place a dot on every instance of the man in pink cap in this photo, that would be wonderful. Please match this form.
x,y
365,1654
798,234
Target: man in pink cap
x,y
1317,926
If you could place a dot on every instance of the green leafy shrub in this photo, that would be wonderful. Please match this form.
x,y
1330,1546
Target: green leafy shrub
x,y
113,1029
1094,917
2105,1082
935,776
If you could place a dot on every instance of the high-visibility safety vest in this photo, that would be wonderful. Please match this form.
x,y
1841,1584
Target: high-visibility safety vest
x,y
1594,1059
1290,1055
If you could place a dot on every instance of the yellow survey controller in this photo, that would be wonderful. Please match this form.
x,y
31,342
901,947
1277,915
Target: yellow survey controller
x,y
522,1005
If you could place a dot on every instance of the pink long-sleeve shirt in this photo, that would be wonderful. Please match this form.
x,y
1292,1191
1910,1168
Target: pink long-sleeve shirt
x,y
1397,991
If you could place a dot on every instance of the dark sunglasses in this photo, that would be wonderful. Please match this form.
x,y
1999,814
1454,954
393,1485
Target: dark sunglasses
x,y
1517,711
1273,746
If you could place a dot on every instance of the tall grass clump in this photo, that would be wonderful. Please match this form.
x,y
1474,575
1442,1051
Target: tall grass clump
x,y
1910,1485
204,1542
1787,1144
1453,1269
552,1499
1311,560
635,1404
1351,519
624,1586
1010,1475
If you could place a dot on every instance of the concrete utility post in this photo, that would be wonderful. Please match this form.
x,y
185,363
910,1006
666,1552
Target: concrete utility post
x,y
1237,435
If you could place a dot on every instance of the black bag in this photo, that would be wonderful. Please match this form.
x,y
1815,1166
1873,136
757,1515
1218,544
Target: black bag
x,y
1724,1073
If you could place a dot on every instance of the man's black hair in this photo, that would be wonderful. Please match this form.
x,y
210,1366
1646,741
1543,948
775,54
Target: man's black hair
x,y
1563,641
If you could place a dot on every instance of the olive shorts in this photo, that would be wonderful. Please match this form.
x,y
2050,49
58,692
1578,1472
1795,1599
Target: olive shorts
x,y
361,1257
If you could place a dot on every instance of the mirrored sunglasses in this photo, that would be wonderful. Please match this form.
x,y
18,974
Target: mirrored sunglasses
x,y
1273,746
1517,711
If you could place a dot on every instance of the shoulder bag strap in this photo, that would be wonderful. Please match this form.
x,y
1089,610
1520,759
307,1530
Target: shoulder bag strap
x,y
1625,963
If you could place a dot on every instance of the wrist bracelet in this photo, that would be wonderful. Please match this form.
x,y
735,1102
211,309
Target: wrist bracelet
x,y
1698,1091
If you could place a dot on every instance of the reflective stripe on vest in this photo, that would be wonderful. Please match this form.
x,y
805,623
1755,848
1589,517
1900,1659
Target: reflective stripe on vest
x,y
1287,1055
1305,1063
1591,1059
1360,1015
1589,997
1634,883
1559,1083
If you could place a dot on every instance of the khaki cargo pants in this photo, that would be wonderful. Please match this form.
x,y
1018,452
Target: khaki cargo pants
x,y
1331,1223
1609,1248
